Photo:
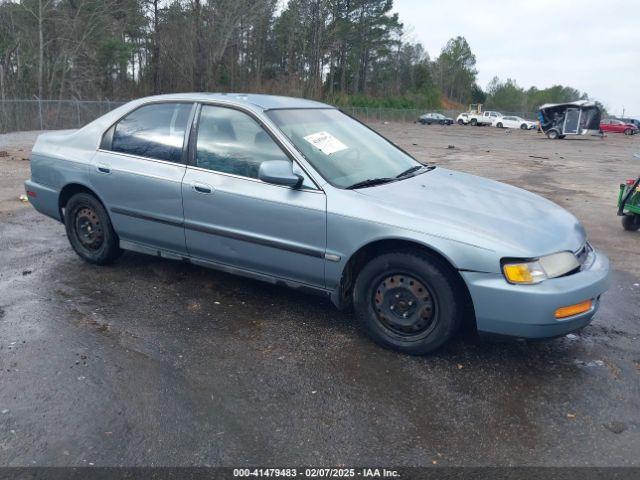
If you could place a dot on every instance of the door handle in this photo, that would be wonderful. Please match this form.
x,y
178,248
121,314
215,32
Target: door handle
x,y
202,187
103,168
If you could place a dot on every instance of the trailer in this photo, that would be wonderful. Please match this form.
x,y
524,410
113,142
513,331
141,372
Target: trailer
x,y
557,120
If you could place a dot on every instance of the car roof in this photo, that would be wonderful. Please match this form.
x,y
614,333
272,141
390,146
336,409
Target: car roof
x,y
253,100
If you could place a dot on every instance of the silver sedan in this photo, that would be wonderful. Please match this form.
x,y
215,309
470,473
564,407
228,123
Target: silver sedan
x,y
297,193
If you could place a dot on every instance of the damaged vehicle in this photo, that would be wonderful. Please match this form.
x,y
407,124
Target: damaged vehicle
x,y
296,193
613,125
582,117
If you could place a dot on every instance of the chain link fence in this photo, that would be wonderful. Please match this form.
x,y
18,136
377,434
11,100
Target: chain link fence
x,y
24,115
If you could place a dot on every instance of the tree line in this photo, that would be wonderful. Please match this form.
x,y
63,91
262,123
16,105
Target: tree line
x,y
343,51
509,96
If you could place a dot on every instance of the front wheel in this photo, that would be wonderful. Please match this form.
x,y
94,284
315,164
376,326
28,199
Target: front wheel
x,y
523,126
631,222
499,125
407,301
90,231
474,122
628,131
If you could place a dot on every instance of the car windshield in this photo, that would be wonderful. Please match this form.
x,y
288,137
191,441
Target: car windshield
x,y
344,151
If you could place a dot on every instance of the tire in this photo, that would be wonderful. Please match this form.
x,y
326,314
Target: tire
x,y
432,320
460,122
523,126
441,122
474,122
628,131
89,230
553,134
499,125
423,122
631,222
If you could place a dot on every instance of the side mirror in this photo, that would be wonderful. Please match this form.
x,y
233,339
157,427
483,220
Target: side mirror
x,y
279,172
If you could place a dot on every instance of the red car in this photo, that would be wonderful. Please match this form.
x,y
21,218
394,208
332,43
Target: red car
x,y
618,126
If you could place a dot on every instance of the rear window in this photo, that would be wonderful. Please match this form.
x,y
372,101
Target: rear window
x,y
153,131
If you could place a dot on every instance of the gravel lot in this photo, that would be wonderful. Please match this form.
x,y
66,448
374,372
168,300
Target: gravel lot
x,y
153,362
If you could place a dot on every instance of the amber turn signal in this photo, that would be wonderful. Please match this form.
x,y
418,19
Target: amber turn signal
x,y
571,310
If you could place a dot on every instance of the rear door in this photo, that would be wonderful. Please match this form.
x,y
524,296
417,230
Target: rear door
x,y
232,218
571,121
138,173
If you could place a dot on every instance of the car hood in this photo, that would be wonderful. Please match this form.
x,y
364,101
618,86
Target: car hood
x,y
479,211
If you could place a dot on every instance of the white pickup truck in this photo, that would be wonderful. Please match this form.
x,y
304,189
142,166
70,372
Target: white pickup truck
x,y
473,118
492,116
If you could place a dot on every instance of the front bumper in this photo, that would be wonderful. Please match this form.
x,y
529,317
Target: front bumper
x,y
527,311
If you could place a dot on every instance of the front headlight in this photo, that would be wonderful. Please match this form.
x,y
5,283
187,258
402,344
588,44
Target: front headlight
x,y
535,271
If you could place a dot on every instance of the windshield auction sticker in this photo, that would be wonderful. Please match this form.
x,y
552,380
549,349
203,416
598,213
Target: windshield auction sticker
x,y
325,142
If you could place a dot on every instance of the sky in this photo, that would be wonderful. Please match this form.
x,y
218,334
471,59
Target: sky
x,y
591,45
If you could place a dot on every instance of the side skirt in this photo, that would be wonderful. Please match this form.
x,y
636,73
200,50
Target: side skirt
x,y
156,252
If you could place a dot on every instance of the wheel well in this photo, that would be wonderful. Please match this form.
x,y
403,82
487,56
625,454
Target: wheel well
x,y
360,258
69,191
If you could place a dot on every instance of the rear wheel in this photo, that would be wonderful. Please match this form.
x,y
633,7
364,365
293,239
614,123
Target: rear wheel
x,y
474,122
460,121
407,301
90,231
631,222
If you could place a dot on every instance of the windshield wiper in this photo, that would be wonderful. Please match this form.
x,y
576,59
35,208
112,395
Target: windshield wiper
x,y
370,182
410,170
415,169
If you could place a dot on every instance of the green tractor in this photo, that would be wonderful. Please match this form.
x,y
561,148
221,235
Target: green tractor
x,y
629,203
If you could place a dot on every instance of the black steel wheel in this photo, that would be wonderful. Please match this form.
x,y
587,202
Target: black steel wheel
x,y
404,305
408,301
89,230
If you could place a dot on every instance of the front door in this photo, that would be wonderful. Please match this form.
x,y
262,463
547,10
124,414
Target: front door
x,y
138,174
232,218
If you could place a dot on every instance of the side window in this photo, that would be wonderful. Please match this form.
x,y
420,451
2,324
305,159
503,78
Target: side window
x,y
153,131
230,141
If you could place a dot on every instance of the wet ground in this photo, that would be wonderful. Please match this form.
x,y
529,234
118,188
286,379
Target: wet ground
x,y
153,362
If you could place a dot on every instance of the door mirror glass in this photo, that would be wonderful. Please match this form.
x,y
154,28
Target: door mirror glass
x,y
279,172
